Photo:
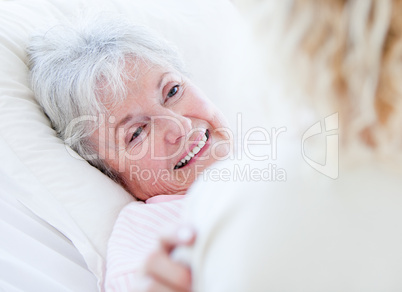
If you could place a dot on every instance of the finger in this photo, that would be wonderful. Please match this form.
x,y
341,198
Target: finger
x,y
154,286
184,235
163,269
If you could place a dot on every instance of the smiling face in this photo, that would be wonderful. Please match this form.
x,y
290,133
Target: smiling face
x,y
162,135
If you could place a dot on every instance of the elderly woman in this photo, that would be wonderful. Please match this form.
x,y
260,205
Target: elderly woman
x,y
119,96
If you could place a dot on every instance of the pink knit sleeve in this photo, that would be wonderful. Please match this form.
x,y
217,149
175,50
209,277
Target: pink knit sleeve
x,y
134,236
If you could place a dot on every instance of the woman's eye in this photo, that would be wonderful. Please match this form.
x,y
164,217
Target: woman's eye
x,y
136,133
172,92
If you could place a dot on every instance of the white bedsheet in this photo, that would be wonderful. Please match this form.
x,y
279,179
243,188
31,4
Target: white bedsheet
x,y
33,255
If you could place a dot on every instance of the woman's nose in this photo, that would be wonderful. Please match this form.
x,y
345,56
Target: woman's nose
x,y
175,128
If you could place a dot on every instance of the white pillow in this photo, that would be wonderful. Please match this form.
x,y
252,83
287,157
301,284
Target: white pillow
x,y
65,191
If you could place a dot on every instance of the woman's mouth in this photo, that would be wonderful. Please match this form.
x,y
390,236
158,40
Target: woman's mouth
x,y
193,152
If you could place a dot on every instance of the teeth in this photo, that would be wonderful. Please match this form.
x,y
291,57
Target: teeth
x,y
196,149
192,153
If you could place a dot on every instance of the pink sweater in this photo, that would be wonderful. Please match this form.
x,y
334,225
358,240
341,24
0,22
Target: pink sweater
x,y
135,235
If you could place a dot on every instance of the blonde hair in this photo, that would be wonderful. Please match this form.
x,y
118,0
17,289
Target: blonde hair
x,y
343,55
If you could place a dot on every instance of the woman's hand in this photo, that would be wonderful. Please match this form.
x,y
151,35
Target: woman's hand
x,y
165,273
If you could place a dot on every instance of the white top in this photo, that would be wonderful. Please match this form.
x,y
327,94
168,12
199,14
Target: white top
x,y
310,233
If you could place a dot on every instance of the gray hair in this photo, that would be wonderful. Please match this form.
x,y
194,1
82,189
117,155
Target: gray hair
x,y
78,67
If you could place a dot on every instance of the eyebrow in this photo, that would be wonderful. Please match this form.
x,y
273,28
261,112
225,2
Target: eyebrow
x,y
163,77
124,121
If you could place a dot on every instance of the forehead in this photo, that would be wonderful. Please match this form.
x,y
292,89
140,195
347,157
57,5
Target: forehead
x,y
132,77
144,77
142,83
113,85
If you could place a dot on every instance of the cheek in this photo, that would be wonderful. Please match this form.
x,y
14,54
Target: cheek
x,y
212,115
138,152
139,175
200,107
149,153
139,157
